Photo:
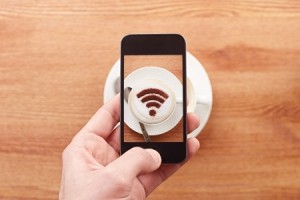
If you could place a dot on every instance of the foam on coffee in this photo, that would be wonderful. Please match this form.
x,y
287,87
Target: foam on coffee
x,y
151,101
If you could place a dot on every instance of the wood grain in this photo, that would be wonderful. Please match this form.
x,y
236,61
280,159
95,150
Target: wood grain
x,y
54,58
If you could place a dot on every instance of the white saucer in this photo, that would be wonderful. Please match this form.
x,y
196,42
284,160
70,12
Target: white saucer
x,y
197,76
167,78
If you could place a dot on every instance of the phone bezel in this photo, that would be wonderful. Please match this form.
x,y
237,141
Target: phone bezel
x,y
156,44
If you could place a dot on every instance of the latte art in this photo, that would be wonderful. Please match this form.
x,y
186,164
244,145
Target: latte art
x,y
151,101
153,98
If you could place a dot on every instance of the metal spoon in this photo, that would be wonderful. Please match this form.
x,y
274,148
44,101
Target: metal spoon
x,y
142,126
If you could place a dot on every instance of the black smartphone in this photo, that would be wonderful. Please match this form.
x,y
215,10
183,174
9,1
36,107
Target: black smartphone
x,y
153,94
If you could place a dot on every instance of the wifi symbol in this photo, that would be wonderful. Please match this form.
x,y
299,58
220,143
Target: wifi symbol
x,y
153,98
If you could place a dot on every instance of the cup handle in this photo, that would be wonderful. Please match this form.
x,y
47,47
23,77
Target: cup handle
x,y
204,100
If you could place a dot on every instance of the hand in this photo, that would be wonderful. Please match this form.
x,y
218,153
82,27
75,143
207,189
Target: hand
x,y
93,169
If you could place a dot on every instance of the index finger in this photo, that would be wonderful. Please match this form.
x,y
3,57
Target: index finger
x,y
105,119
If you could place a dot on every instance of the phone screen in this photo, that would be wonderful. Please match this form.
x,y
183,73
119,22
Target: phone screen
x,y
153,94
135,64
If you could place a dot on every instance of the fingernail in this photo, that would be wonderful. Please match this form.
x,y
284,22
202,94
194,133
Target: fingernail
x,y
155,155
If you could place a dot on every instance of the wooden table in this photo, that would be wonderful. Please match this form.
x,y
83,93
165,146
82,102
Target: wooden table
x,y
54,58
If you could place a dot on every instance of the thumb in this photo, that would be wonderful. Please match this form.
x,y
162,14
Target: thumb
x,y
134,162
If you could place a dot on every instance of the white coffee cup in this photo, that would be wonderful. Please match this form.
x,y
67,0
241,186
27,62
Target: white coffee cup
x,y
155,112
151,101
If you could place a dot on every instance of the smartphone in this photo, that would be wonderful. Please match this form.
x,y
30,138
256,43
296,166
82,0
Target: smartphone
x,y
153,95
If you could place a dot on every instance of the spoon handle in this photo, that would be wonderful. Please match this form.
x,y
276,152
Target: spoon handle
x,y
145,134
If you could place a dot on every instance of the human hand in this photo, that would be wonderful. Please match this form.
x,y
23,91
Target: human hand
x,y
93,168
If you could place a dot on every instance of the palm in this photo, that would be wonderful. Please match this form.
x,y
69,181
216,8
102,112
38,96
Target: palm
x,y
93,169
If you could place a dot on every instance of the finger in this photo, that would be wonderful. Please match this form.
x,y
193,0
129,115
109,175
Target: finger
x,y
99,149
193,122
154,179
105,119
134,162
114,139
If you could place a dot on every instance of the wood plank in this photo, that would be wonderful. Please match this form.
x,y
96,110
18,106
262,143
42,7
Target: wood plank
x,y
55,56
